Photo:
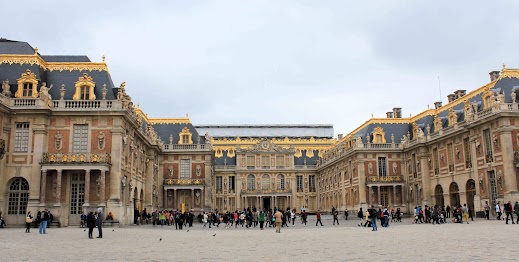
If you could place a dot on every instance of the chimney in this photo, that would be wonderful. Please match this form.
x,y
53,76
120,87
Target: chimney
x,y
437,104
397,112
460,93
451,97
389,114
339,136
494,75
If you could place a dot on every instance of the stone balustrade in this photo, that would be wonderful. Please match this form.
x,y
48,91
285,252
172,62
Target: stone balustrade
x,y
384,179
193,147
181,182
76,158
265,191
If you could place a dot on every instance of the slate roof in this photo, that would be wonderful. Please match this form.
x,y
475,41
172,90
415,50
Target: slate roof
x,y
165,130
15,48
317,131
65,58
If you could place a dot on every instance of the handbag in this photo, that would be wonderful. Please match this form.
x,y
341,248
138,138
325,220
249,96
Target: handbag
x,y
28,219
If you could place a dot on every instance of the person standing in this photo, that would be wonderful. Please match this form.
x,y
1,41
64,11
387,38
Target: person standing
x,y
498,211
509,210
360,215
261,219
335,217
465,212
44,217
448,211
487,210
373,217
90,223
279,219
293,215
516,210
99,222
318,215
28,221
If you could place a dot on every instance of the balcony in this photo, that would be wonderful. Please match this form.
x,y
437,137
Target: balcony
x,y
184,182
384,179
266,191
305,166
225,167
76,158
187,147
94,105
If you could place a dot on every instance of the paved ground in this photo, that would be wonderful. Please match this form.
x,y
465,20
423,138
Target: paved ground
x,y
480,240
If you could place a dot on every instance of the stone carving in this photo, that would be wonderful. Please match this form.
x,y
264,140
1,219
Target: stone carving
x,y
62,92
58,140
123,181
358,142
171,139
513,95
478,146
392,139
428,129
370,168
98,185
198,170
44,94
501,97
419,132
170,171
101,141
123,97
395,165
496,140
207,138
6,89
457,153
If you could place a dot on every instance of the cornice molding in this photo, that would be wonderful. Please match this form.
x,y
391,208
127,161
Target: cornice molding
x,y
52,66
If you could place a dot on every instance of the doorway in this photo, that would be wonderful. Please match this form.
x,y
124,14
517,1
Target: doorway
x,y
266,203
77,197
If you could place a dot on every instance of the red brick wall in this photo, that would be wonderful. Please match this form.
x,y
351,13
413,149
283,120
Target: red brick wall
x,y
193,170
64,144
176,170
95,142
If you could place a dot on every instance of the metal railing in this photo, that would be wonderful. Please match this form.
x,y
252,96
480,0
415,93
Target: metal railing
x,y
384,179
76,158
187,182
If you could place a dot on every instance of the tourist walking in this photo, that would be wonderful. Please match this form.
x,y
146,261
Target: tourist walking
x,y
44,218
360,215
99,222
373,217
293,215
278,220
498,211
487,210
465,212
28,221
90,223
318,215
509,210
335,217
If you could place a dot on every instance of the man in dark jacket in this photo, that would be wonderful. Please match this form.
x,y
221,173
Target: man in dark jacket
x,y
44,218
373,216
99,222
90,222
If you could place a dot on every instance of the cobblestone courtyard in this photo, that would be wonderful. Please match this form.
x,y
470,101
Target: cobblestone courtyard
x,y
480,240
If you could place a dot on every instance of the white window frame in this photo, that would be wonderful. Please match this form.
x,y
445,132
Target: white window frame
x,y
21,137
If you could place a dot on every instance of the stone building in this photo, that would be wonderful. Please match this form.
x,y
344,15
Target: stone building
x,y
72,141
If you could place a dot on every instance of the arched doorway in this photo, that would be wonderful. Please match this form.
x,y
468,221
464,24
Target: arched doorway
x,y
471,192
454,194
438,193
18,194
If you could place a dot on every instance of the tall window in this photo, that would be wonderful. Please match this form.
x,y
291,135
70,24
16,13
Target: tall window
x,y
85,93
280,161
488,145
21,137
466,149
219,184
382,167
80,139
18,197
312,183
281,182
265,162
232,183
251,182
185,139
265,182
450,157
27,89
185,169
299,183
251,162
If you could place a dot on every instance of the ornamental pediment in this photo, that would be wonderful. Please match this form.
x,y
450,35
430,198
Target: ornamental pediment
x,y
266,146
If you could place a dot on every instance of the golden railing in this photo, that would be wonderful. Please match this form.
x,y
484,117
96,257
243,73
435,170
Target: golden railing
x,y
187,182
76,158
265,191
384,179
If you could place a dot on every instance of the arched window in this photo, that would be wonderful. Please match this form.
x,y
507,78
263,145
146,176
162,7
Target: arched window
x,y
281,182
265,182
18,197
251,182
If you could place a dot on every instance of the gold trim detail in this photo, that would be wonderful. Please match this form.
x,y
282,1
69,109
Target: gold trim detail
x,y
52,66
453,117
437,123
27,78
83,81
181,135
507,72
379,137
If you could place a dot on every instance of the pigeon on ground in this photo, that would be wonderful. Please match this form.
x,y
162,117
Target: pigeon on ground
x,y
113,230
188,230
160,239
214,235
84,230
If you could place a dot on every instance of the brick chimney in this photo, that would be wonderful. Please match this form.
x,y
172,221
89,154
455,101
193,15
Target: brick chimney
x,y
451,97
437,104
389,114
339,136
397,112
494,75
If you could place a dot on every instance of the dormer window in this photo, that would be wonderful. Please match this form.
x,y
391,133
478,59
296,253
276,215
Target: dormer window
x,y
27,85
185,137
84,88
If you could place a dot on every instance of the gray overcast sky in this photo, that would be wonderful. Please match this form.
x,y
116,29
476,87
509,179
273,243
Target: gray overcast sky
x,y
293,62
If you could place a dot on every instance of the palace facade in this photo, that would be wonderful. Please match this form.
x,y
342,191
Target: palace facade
x,y
72,141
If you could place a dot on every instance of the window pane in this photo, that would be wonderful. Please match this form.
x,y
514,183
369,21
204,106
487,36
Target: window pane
x,y
80,139
185,169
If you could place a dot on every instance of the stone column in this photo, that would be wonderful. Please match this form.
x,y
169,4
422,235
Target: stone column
x,y
426,180
192,198
165,198
42,187
378,195
362,184
87,188
117,156
402,196
509,168
203,198
175,205
394,196
369,196
102,193
58,188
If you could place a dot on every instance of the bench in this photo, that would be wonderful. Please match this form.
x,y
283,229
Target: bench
x,y
111,223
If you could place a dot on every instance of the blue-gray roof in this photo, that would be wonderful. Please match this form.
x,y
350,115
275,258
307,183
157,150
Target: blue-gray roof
x,y
15,48
317,131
